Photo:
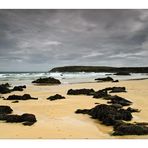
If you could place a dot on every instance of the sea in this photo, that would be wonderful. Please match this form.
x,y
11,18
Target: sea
x,y
25,78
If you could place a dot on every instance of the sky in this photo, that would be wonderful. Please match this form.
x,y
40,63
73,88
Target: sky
x,y
38,40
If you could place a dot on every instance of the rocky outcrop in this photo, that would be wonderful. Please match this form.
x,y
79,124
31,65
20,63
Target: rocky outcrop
x,y
55,97
26,119
117,89
48,80
108,114
18,97
104,79
101,94
80,92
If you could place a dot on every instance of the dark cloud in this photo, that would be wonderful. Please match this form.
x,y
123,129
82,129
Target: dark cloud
x,y
42,39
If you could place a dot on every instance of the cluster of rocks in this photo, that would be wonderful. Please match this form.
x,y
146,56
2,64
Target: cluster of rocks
x,y
123,73
55,97
49,80
25,119
113,113
19,97
5,88
106,79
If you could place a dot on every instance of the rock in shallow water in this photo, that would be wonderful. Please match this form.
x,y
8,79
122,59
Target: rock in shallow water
x,y
48,80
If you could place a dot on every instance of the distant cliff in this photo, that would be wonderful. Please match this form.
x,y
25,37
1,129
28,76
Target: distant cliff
x,y
100,69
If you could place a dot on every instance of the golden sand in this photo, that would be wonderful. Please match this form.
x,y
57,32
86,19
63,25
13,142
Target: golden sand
x,y
56,119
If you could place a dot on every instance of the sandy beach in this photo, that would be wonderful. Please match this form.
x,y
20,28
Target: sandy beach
x,y
56,119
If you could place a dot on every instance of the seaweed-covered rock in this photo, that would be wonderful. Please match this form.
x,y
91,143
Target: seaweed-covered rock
x,y
104,79
130,129
48,80
4,88
55,97
108,114
118,100
18,97
19,88
118,89
5,109
123,73
80,92
100,94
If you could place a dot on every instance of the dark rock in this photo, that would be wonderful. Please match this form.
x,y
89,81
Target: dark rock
x,y
118,89
5,109
132,110
55,97
48,80
115,81
82,111
123,73
15,101
13,118
117,105
24,97
100,94
80,92
104,79
108,114
130,129
118,100
19,88
4,88
28,117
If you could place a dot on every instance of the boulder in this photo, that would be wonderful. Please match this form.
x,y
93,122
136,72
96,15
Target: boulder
x,y
55,97
80,92
124,73
5,109
4,88
130,129
28,117
48,80
18,97
19,88
104,79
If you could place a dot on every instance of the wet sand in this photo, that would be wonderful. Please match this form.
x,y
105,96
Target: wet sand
x,y
56,119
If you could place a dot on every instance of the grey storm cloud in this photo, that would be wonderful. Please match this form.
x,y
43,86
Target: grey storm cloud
x,y
36,40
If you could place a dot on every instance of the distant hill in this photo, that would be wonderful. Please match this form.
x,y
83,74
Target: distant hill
x,y
99,69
